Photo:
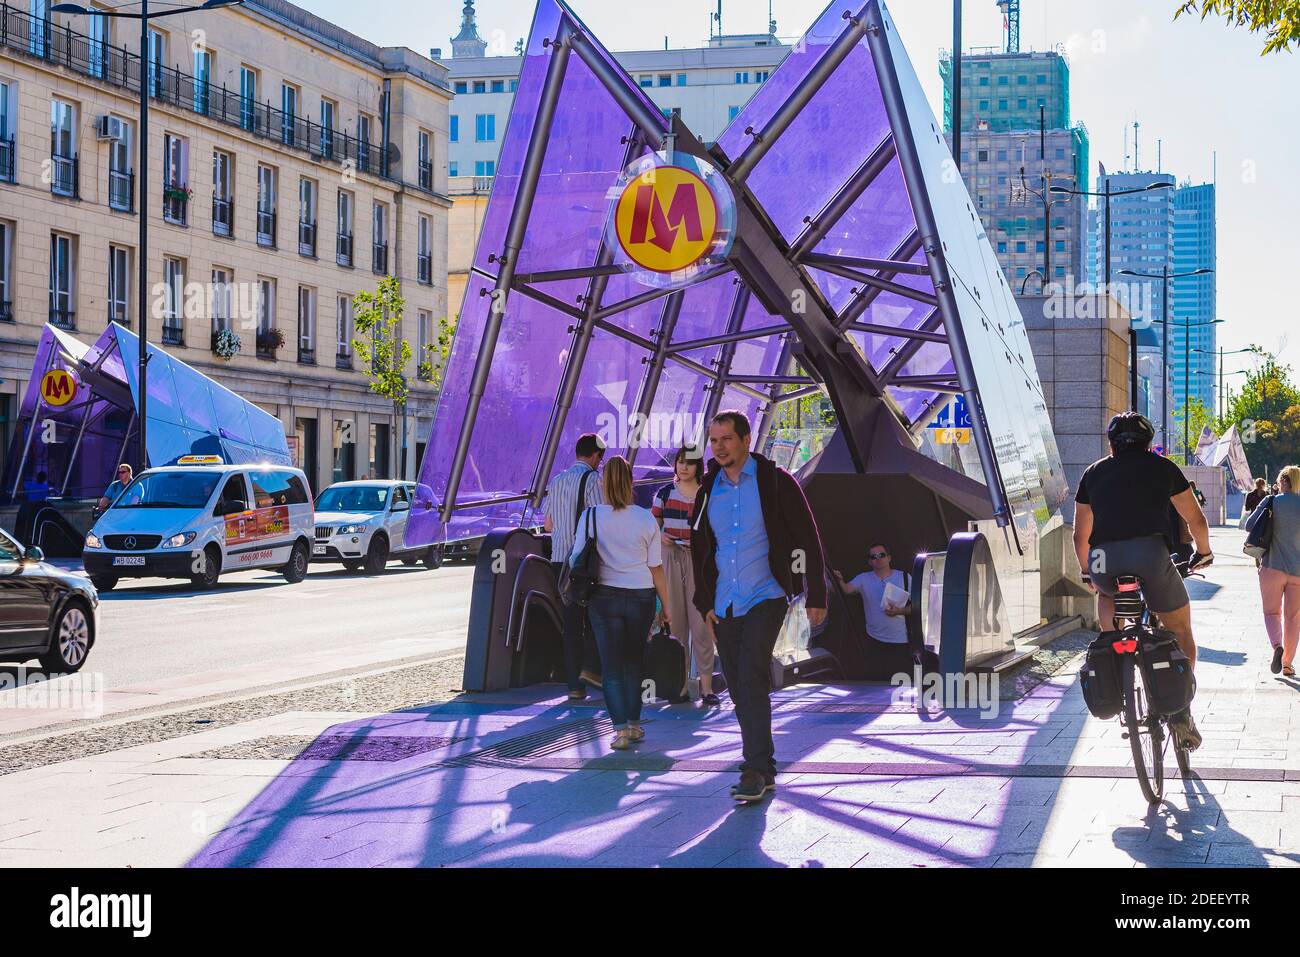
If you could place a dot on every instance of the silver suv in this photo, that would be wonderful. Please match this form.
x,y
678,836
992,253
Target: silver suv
x,y
363,525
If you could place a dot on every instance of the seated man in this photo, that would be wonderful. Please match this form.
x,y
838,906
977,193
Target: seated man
x,y
886,649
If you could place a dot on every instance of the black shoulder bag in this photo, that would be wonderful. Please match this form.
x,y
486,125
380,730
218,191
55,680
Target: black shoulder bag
x,y
579,578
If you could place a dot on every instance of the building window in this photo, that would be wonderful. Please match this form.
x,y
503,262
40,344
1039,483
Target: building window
x,y
982,156
425,251
665,79
1060,271
681,79
202,80
984,81
223,193
8,131
343,334
157,61
267,340
453,168
1039,246
220,298
423,361
454,135
984,104
266,205
742,77
514,86
96,44
363,143
761,76
1002,247
379,240
461,86
343,252
307,217
1022,103
176,176
173,301
63,278
63,148
248,98
1002,81
1060,245
485,167
6,281
485,128
1020,247
327,109
306,324
121,178
732,113
119,284
1002,104
289,114
38,42
498,86
425,159
480,86
646,82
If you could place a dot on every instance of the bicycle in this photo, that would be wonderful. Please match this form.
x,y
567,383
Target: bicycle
x,y
1146,732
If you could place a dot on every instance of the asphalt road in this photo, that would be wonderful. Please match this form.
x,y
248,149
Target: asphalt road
x,y
152,630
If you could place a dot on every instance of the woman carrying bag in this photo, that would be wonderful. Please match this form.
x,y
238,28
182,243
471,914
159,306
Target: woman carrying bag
x,y
621,607
1273,540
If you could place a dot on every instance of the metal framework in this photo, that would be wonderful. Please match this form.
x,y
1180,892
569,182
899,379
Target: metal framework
x,y
863,358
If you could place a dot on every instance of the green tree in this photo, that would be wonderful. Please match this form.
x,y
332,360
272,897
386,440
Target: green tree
x,y
378,318
1197,417
433,364
1278,20
1266,412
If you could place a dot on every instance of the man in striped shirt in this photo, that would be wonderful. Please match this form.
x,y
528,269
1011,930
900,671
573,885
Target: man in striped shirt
x,y
561,509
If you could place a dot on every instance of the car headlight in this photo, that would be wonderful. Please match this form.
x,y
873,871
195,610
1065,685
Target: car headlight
x,y
179,541
92,541
353,529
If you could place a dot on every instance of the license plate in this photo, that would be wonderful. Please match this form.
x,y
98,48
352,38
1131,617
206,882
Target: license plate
x,y
136,561
318,549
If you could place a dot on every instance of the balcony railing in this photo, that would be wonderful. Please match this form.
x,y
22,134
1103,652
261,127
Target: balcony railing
x,y
379,258
7,161
426,175
176,204
266,229
63,318
343,360
172,335
307,239
117,313
343,249
223,216
64,179
6,311
306,354
41,39
267,344
121,191
424,265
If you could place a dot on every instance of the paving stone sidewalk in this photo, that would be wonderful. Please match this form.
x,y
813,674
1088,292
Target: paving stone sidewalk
x,y
525,779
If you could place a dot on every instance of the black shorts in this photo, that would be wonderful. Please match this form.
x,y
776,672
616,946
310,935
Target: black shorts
x,y
1148,559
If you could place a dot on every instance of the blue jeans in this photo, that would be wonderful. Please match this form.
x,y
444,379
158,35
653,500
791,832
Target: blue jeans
x,y
621,619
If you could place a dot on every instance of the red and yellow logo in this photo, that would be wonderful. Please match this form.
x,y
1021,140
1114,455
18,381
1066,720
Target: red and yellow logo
x,y
58,387
666,219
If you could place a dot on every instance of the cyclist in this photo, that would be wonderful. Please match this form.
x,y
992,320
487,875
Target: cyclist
x,y
1121,527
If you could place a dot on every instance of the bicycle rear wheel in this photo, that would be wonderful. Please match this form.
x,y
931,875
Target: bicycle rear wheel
x,y
1145,734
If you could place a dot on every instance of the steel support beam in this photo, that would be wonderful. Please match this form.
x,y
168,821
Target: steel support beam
x,y
546,299
558,275
898,332
645,399
906,250
799,97
735,319
883,285
796,394
912,346
519,215
647,119
719,340
641,298
773,380
892,266
844,198
913,175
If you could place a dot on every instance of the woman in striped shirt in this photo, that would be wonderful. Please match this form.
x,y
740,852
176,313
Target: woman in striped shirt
x,y
674,507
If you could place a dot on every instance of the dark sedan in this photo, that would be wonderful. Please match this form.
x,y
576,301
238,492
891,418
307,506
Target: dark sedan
x,y
45,612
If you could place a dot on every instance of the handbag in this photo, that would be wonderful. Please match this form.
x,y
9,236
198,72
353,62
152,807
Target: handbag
x,y
579,577
1260,538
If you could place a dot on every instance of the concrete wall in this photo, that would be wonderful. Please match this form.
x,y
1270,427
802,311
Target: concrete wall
x,y
1213,483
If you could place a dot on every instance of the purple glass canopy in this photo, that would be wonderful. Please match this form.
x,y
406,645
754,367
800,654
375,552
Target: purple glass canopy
x,y
839,203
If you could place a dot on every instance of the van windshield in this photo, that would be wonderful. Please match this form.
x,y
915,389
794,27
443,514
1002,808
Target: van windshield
x,y
353,498
169,490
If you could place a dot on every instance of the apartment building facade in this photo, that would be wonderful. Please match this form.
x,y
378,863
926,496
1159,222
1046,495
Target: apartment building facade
x,y
292,165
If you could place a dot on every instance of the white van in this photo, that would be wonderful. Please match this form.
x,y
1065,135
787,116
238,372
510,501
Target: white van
x,y
199,518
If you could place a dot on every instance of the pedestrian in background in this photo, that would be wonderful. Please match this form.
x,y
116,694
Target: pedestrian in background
x,y
1279,570
574,489
1253,498
622,607
886,649
674,508
755,548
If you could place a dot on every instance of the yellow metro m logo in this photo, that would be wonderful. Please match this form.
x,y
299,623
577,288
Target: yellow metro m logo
x,y
666,219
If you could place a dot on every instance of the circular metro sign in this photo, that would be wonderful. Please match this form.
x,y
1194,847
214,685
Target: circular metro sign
x,y
58,387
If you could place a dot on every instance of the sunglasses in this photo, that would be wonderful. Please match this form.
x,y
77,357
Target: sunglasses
x,y
875,555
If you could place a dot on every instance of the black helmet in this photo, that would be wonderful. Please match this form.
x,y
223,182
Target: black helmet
x,y
1130,430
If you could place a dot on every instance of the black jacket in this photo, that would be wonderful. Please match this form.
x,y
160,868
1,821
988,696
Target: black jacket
x,y
790,525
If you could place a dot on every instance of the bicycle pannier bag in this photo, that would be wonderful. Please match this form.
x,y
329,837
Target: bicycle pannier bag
x,y
1166,673
1100,677
1260,538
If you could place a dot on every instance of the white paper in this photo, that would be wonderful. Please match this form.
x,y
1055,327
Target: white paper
x,y
893,596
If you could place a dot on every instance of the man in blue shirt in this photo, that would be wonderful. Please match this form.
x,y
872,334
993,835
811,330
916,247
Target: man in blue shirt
x,y
755,547
116,487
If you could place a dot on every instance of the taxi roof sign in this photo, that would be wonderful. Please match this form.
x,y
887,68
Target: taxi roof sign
x,y
200,460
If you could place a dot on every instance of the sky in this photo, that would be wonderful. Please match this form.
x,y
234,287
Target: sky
x,y
1199,88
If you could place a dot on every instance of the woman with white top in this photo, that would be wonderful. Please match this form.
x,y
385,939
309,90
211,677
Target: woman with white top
x,y
623,605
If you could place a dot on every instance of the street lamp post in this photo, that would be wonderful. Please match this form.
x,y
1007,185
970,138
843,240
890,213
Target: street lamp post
x,y
1165,276
1132,333
142,161
1223,407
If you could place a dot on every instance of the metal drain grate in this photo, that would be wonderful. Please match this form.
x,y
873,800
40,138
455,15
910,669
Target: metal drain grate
x,y
520,751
